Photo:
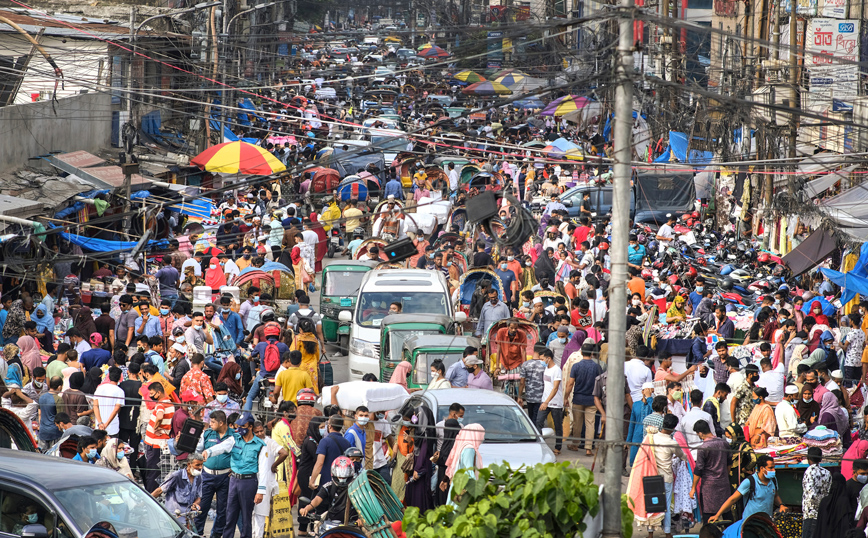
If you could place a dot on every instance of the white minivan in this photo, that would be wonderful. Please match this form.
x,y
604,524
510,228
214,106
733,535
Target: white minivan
x,y
418,290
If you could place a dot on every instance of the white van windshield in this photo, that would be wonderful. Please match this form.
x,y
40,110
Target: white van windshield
x,y
374,306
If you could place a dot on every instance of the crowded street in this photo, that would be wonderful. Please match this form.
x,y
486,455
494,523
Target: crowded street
x,y
418,270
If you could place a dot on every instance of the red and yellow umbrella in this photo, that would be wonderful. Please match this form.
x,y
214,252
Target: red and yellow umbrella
x,y
238,158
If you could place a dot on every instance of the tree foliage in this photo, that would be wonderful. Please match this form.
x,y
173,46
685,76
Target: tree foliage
x,y
544,501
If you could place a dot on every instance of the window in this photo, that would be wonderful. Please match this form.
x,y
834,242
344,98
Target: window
x,y
18,510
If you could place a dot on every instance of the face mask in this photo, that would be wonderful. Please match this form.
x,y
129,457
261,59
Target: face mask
x,y
526,304
503,267
32,518
361,421
197,326
562,340
238,376
195,472
728,440
770,474
460,420
699,289
164,311
246,256
863,478
527,264
225,310
677,395
636,302
91,454
242,431
97,312
213,266
469,369
449,264
140,349
435,375
431,256
755,400
807,400
322,432
37,384
256,298
121,454
816,311
222,398
181,339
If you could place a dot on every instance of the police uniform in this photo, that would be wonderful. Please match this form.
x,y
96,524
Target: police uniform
x,y
243,465
215,480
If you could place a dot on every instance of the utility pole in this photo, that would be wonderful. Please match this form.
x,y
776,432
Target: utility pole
x,y
129,167
794,81
623,152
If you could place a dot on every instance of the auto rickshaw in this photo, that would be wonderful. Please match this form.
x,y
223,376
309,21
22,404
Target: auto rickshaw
x,y
362,250
421,350
491,345
470,283
548,297
339,290
396,328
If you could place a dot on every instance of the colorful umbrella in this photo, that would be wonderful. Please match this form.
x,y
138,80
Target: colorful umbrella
x,y
238,158
487,88
504,72
433,52
511,79
469,77
565,105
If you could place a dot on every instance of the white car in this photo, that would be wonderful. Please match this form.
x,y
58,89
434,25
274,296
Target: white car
x,y
510,436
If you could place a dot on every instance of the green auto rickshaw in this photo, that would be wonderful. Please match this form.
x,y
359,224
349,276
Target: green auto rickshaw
x,y
422,350
396,328
339,290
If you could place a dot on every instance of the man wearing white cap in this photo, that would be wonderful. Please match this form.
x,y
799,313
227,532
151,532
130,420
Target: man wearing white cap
x,y
788,421
837,377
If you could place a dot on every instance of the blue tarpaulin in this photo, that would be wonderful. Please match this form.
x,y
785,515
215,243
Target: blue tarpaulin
x,y
229,136
679,147
851,282
247,104
198,208
103,245
828,308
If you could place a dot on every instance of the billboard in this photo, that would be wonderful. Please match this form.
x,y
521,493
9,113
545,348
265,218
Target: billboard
x,y
832,56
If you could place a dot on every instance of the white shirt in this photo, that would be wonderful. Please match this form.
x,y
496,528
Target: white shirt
x,y
773,381
453,180
382,429
107,396
637,374
231,270
191,262
82,346
267,480
686,423
550,375
666,232
787,419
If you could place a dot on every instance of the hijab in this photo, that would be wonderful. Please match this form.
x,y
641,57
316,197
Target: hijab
x,y
544,267
91,381
12,374
109,458
820,318
76,380
834,518
830,406
574,345
214,278
227,375
14,325
470,437
44,320
30,356
705,311
84,323
399,376
807,409
451,430
313,428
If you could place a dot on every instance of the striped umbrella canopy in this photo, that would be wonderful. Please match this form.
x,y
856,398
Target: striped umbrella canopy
x,y
487,88
433,52
511,79
469,77
510,71
565,105
238,158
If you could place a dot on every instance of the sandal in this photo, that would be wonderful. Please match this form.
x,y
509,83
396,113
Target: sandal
x,y
574,448
588,453
557,452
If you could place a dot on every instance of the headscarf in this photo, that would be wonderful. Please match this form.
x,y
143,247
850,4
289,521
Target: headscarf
x,y
91,381
14,325
313,428
705,311
84,323
227,375
834,518
399,376
109,458
470,437
12,373
44,319
322,238
30,357
544,267
807,409
450,432
820,318
830,406
214,278
674,310
76,380
574,345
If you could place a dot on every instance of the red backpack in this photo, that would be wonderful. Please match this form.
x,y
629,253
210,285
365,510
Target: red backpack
x,y
271,358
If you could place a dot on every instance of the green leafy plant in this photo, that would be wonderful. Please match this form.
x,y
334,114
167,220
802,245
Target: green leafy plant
x,y
544,501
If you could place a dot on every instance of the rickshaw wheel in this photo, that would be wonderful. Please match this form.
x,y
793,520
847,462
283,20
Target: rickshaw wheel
x,y
344,344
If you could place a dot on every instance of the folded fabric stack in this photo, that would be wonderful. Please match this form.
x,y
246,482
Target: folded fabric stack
x,y
826,440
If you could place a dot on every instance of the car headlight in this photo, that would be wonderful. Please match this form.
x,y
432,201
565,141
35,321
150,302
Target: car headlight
x,y
363,348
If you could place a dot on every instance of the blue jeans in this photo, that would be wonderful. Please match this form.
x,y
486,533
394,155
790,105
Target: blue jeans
x,y
213,364
211,485
667,516
254,391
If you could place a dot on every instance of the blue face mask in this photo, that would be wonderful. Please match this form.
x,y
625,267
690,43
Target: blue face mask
x,y
96,312
449,264
241,431
164,311
121,454
770,474
91,454
238,376
322,432
32,518
699,289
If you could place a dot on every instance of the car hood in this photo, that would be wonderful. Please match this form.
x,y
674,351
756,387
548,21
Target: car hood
x,y
516,454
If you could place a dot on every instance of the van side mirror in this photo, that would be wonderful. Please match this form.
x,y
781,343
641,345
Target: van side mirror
x,y
567,203
34,531
345,315
460,317
548,433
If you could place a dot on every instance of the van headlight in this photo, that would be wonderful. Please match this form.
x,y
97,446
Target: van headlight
x,y
363,348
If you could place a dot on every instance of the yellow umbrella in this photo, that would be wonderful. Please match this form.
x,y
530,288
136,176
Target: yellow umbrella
x,y
238,158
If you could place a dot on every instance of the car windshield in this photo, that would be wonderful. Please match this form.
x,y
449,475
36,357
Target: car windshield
x,y
123,504
374,306
502,423
343,283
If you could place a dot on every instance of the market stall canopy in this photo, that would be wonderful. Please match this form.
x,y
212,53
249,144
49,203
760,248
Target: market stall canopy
x,y
823,183
812,251
468,76
565,105
849,210
822,163
486,88
850,284
238,158
433,52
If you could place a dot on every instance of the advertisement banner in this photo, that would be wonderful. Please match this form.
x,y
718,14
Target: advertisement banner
x,y
832,53
834,8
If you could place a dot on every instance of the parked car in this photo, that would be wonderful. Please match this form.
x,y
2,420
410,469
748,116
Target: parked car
x,y
72,497
510,436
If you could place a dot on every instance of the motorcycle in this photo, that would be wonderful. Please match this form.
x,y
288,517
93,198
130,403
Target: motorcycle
x,y
335,242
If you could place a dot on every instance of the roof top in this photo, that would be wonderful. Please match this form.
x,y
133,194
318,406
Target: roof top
x,y
453,341
50,191
417,318
466,396
61,24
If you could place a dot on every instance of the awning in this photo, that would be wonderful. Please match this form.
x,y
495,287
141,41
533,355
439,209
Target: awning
x,y
823,183
822,163
813,250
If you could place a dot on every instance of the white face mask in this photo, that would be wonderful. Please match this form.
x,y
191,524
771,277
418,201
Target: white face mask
x,y
213,266
195,472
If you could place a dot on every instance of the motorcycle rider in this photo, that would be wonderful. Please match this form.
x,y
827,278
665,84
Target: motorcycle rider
x,y
335,493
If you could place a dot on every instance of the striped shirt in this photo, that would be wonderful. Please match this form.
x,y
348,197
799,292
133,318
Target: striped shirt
x,y
160,424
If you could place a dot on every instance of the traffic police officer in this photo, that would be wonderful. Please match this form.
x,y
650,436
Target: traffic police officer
x,y
243,448
215,479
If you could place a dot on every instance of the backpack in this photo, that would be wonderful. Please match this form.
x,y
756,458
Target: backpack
x,y
271,357
752,489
